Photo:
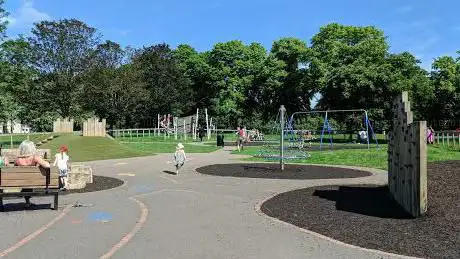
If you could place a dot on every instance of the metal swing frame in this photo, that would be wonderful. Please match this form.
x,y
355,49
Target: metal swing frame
x,y
326,123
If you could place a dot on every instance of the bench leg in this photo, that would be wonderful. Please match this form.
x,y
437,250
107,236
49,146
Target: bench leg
x,y
56,201
1,203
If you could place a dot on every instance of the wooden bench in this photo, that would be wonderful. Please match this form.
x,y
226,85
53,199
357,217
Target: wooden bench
x,y
42,182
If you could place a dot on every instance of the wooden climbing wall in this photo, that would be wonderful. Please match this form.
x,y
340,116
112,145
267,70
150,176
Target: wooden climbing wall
x,y
63,125
407,159
92,127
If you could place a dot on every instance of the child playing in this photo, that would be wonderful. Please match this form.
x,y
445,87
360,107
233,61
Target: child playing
x,y
179,157
61,161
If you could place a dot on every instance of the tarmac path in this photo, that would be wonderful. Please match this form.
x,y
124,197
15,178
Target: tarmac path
x,y
159,215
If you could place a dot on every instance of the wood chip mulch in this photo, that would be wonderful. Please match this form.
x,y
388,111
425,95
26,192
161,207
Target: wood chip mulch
x,y
272,171
366,216
100,183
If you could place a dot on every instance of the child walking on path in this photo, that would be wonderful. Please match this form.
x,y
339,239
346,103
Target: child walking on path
x,y
61,160
179,157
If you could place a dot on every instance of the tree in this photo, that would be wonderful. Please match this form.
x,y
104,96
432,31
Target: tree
x,y
164,79
3,20
199,72
358,72
15,77
446,81
61,53
299,85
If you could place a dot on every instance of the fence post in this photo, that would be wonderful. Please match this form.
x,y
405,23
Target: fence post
x,y
443,138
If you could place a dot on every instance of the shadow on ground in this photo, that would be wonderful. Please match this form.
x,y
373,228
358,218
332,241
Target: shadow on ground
x,y
21,206
169,172
370,201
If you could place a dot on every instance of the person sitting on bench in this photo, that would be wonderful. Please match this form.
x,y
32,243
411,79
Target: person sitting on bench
x,y
28,157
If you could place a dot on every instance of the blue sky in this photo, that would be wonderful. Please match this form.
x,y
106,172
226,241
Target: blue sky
x,y
422,27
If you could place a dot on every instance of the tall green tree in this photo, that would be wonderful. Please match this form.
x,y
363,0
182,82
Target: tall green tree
x,y
165,80
446,81
61,53
196,67
112,89
358,72
299,85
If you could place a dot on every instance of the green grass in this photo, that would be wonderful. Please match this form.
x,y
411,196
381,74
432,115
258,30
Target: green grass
x,y
374,158
5,141
169,147
99,148
92,148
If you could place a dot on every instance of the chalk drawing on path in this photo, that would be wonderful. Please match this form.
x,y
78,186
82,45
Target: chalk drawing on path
x,y
144,188
127,174
103,217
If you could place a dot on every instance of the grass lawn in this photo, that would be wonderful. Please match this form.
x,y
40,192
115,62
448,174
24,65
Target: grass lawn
x,y
99,148
374,158
5,140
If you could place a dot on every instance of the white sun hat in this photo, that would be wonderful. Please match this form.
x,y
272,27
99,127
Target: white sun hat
x,y
180,146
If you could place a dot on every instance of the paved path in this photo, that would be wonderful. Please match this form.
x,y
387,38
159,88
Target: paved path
x,y
159,215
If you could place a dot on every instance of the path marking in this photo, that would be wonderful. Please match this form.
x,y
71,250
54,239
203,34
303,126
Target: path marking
x,y
127,174
117,164
32,236
130,235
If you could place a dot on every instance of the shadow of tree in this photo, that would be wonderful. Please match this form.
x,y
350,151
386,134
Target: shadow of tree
x,y
370,201
11,207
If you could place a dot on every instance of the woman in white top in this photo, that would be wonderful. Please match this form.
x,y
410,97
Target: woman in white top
x,y
61,161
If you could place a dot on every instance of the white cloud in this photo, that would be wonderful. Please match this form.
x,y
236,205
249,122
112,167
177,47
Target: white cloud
x,y
404,9
27,15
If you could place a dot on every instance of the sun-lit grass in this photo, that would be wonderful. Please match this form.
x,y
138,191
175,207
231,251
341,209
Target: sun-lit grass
x,y
16,139
374,158
169,147
101,148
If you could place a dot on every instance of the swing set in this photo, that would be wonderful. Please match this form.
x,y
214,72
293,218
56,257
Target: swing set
x,y
327,129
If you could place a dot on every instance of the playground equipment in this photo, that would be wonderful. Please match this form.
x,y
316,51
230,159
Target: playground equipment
x,y
295,126
280,151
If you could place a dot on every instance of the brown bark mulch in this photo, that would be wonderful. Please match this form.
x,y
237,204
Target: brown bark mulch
x,y
366,216
100,183
272,171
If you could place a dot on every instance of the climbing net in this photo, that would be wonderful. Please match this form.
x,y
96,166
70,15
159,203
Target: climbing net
x,y
272,149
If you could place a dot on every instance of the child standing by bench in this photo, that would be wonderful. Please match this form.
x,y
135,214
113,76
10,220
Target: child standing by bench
x,y
61,161
179,157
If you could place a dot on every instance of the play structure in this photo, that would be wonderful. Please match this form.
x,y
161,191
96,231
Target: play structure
x,y
303,131
305,127
274,147
169,125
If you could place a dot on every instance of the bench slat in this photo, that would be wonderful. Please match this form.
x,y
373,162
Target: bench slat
x,y
28,183
28,176
25,176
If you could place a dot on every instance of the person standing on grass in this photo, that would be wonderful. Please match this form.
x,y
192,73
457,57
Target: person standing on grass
x,y
179,157
240,138
61,160
430,135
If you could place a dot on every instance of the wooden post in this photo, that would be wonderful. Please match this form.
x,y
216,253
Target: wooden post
x,y
185,132
175,127
282,111
207,123
210,128
196,124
